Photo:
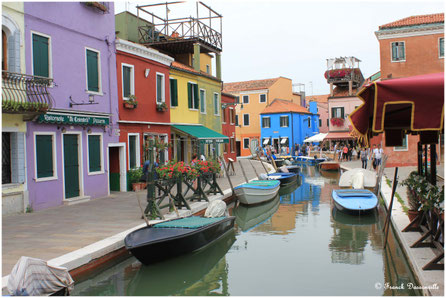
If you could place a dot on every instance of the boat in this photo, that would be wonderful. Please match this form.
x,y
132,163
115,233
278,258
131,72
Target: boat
x,y
284,178
175,237
369,178
308,159
291,169
279,162
354,201
329,166
248,217
257,191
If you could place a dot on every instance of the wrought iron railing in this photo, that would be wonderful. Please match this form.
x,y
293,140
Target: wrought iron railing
x,y
180,29
25,93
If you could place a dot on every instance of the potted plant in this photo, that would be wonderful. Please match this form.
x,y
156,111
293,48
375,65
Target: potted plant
x,y
97,5
337,121
161,107
131,103
134,177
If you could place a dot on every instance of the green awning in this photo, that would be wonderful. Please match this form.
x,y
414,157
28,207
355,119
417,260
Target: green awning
x,y
204,134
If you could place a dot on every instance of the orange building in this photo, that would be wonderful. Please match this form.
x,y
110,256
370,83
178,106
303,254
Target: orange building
x,y
253,97
408,47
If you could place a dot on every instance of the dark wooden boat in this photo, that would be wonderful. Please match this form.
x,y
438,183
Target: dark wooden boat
x,y
330,166
284,178
175,237
279,162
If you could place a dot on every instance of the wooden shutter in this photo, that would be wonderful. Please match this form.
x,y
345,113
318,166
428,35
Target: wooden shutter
x,y
93,71
41,56
342,113
94,153
44,156
189,95
173,93
126,80
402,55
132,152
196,97
333,112
159,88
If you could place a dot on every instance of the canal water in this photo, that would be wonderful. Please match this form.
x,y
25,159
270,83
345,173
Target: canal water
x,y
295,245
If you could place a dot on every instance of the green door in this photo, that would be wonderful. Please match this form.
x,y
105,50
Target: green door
x,y
71,165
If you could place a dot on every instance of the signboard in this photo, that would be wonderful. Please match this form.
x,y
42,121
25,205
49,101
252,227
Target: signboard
x,y
211,141
73,119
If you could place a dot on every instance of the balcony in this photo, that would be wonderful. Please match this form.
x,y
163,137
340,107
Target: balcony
x,y
25,94
341,77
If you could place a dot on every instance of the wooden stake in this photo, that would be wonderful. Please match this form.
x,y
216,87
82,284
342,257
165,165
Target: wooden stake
x,y
227,174
142,211
243,170
389,211
258,177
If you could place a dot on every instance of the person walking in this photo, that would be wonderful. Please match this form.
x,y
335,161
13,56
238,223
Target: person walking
x,y
363,155
377,154
345,152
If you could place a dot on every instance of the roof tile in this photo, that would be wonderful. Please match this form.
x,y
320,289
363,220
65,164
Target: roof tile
x,y
284,106
415,20
249,85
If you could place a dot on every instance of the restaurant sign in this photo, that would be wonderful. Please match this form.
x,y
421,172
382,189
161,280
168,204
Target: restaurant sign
x,y
211,141
73,119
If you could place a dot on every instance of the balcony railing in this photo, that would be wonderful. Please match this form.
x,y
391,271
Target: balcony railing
x,y
24,94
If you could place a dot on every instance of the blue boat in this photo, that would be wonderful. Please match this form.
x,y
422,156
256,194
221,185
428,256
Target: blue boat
x,y
284,178
354,201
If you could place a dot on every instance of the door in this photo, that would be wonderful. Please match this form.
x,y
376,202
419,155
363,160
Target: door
x,y
114,164
254,145
71,165
238,147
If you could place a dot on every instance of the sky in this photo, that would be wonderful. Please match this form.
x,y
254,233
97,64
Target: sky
x,y
267,39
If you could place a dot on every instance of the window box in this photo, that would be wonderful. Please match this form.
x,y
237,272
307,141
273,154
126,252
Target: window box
x,y
97,5
161,107
131,103
337,121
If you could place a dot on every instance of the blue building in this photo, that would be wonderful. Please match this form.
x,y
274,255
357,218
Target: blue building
x,y
284,124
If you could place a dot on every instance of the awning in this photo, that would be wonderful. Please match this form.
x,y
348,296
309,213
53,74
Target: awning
x,y
265,141
283,141
204,134
411,104
316,138
344,135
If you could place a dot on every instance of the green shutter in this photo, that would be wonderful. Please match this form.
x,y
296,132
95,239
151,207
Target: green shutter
x,y
189,95
333,113
94,153
196,97
40,56
394,51
132,152
173,93
402,52
342,112
126,72
92,71
44,156
441,47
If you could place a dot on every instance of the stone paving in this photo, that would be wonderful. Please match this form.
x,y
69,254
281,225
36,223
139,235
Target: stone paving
x,y
53,232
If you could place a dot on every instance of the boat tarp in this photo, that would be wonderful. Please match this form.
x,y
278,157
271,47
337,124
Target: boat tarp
x,y
192,222
347,193
34,277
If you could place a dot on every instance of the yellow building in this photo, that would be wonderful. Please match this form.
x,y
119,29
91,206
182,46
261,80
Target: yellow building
x,y
254,96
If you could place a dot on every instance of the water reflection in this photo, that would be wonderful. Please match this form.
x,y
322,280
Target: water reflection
x,y
247,217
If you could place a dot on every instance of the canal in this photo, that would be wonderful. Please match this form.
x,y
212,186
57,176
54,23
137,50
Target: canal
x,y
297,244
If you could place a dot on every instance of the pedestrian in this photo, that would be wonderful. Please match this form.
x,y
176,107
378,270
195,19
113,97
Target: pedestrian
x,y
345,152
363,155
354,153
377,154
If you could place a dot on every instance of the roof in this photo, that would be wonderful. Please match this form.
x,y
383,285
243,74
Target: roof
x,y
415,20
187,68
284,106
338,135
318,98
249,85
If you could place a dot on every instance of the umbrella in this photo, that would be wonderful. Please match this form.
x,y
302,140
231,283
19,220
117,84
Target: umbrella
x,y
398,106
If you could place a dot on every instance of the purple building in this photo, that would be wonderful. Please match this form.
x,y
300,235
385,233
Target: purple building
x,y
70,148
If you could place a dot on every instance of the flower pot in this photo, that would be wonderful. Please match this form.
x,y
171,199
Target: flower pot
x,y
129,105
412,214
138,186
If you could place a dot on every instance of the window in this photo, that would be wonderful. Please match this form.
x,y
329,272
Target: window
x,y
192,96
223,115
231,116
245,119
225,148
309,122
262,97
44,156
245,98
284,121
41,55
216,105
266,122
94,153
441,47
237,99
236,120
328,122
245,143
133,143
320,122
5,51
398,51
173,93
203,101
208,69
128,81
160,88
404,147
6,158
93,71
337,112
232,144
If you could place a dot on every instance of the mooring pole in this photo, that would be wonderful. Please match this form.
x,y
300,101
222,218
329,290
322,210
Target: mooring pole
x,y
227,174
389,211
243,170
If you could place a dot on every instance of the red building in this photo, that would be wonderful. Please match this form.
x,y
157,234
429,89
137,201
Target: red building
x,y
143,100
228,102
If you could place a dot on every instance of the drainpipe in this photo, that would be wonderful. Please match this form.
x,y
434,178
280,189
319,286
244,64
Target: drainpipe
x,y
291,146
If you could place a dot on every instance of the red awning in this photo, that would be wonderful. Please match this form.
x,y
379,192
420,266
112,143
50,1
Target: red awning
x,y
343,135
412,104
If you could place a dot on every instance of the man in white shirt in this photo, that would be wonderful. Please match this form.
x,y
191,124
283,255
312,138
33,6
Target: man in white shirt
x,y
377,154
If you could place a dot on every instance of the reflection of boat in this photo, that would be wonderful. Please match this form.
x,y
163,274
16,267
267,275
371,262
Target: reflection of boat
x,y
247,217
284,178
257,191
175,276
332,175
351,220
347,178
175,237
355,201
329,166
289,188
319,181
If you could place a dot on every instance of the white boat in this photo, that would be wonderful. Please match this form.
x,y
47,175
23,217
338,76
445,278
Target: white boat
x,y
308,159
257,191
369,178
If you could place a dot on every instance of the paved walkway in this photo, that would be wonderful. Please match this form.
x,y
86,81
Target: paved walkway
x,y
51,233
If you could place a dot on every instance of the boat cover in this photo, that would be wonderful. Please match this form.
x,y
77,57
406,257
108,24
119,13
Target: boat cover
x,y
216,208
260,184
345,193
347,177
191,222
34,277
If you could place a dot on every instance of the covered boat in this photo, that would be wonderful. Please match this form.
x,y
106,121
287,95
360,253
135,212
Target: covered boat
x,y
176,237
284,178
257,191
354,201
346,179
